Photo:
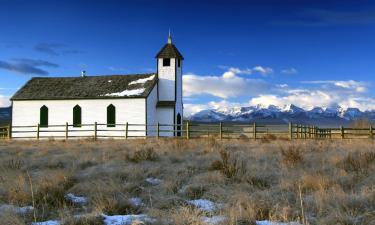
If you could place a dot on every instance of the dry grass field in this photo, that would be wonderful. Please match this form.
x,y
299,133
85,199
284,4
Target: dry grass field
x,y
236,182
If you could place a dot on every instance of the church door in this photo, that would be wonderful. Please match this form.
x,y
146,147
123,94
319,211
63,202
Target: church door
x,y
178,125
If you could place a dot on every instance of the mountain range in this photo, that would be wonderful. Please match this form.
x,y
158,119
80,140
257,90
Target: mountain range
x,y
331,116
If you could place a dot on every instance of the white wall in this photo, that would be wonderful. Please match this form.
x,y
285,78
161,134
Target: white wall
x,y
165,116
179,103
166,77
27,113
151,112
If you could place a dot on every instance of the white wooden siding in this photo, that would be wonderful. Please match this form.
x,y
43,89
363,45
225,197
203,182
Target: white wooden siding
x,y
27,113
165,116
166,75
151,112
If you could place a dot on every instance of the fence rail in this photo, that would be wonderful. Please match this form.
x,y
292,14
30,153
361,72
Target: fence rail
x,y
187,130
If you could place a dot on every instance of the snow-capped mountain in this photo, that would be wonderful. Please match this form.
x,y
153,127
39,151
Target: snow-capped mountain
x,y
289,113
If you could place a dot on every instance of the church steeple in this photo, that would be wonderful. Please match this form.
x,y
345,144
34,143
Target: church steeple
x,y
169,37
169,50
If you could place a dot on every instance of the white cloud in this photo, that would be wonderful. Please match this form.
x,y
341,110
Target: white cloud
x,y
357,86
229,84
263,70
304,99
4,101
289,71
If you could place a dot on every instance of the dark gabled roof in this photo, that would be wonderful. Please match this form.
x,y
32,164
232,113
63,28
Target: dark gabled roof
x,y
88,87
169,51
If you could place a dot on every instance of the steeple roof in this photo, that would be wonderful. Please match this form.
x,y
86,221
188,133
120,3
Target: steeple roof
x,y
169,50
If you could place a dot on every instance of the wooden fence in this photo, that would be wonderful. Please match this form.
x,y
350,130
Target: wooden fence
x,y
186,130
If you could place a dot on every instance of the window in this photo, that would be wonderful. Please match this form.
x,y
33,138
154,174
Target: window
x,y
77,116
43,116
179,62
111,116
166,62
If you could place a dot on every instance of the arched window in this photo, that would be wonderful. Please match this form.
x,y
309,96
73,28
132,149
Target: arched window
x,y
43,116
77,116
178,125
111,116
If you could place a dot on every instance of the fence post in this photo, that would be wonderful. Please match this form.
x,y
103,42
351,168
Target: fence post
x,y
221,130
254,131
95,131
9,132
342,132
290,131
187,130
37,131
66,131
157,130
371,134
126,130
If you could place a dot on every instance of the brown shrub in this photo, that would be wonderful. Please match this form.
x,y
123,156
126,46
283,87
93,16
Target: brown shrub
x,y
359,163
146,153
228,165
114,205
291,156
50,192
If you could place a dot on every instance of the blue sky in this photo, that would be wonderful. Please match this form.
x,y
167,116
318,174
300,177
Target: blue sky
x,y
303,52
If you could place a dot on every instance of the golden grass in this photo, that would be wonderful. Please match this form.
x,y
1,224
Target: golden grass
x,y
251,180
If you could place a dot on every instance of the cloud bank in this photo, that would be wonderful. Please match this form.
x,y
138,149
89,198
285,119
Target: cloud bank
x,y
27,66
231,86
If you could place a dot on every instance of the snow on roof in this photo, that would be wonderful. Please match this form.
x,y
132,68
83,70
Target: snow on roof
x,y
142,81
134,92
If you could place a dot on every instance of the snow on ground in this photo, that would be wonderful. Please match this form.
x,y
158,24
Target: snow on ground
x,y
142,81
16,209
136,201
127,93
213,220
49,222
153,181
125,219
266,222
76,199
203,204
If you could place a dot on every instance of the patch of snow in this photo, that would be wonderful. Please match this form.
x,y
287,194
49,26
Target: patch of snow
x,y
127,93
213,220
142,81
49,222
76,199
153,181
16,209
267,222
203,204
125,219
136,201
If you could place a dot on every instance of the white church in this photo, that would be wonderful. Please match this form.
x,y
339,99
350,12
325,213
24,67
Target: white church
x,y
111,101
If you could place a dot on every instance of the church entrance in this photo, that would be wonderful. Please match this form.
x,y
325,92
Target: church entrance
x,y
178,125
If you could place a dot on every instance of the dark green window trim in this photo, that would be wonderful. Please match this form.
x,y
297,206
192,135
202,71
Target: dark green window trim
x,y
77,116
111,116
43,116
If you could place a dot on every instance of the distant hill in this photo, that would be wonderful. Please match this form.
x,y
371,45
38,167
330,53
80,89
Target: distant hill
x,y
5,115
324,117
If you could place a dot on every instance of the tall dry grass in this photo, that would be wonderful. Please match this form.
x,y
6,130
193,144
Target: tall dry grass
x,y
319,182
